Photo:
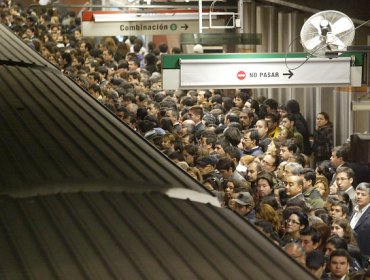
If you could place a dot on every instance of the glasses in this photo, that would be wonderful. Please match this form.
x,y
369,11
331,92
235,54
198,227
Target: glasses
x,y
289,221
341,179
246,139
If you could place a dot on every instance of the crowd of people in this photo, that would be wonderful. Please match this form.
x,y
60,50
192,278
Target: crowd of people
x,y
256,155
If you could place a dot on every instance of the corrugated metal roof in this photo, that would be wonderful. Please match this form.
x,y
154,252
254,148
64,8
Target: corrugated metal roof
x,y
13,50
52,132
132,236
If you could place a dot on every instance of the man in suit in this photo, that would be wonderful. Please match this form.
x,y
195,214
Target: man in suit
x,y
344,178
360,220
196,115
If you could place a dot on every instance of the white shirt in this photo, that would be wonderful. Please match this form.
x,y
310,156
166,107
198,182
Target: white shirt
x,y
358,214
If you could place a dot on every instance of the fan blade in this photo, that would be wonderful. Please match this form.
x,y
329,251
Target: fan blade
x,y
312,43
342,25
315,21
338,43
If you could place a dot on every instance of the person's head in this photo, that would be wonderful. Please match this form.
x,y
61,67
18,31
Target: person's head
x,y
262,128
315,263
339,155
250,139
291,168
264,184
310,239
339,263
272,120
309,178
196,114
287,149
333,243
246,118
190,152
253,105
268,163
344,178
296,251
288,121
271,105
252,171
153,108
338,210
296,221
322,119
363,195
293,185
206,164
244,203
342,228
322,186
226,167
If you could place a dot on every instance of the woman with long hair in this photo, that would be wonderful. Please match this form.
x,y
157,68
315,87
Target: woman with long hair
x,y
342,228
323,138
267,213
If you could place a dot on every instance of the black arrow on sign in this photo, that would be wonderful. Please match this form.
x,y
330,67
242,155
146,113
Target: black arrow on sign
x,y
290,74
185,26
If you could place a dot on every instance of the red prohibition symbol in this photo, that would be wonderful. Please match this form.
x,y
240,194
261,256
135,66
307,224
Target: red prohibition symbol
x,y
241,75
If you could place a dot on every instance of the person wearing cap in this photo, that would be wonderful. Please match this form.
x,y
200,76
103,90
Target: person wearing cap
x,y
244,206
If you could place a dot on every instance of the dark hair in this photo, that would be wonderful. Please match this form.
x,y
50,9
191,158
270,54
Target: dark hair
x,y
253,135
274,117
292,106
314,233
266,176
303,219
233,136
341,152
349,171
338,242
290,117
272,103
309,174
340,253
315,259
225,163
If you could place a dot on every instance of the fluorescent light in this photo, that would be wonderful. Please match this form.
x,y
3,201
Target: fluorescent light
x,y
147,17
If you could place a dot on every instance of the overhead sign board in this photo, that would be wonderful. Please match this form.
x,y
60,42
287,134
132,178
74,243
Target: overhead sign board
x,y
153,24
129,28
253,72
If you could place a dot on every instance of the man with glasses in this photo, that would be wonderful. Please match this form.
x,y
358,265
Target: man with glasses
x,y
344,179
250,143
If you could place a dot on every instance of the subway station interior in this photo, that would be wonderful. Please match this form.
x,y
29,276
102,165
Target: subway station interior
x,y
82,196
